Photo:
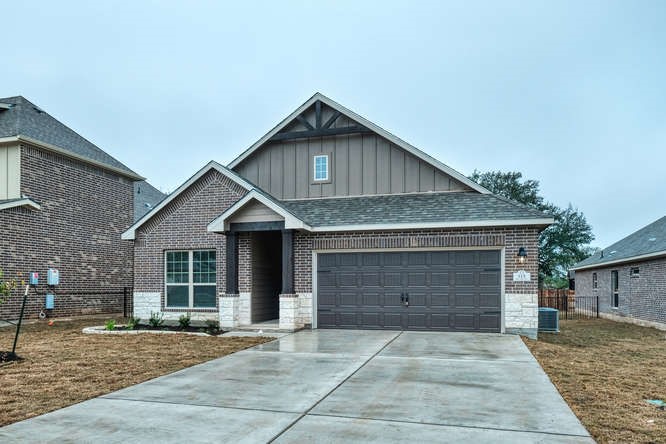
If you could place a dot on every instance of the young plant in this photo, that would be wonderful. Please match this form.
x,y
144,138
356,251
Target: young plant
x,y
212,327
110,325
184,321
156,319
6,287
132,322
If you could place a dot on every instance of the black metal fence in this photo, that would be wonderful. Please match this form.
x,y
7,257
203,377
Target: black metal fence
x,y
570,305
106,300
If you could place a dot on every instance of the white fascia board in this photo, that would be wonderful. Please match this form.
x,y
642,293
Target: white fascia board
x,y
641,257
130,233
368,124
431,225
20,203
220,223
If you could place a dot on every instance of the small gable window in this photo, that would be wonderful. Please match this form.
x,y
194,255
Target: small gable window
x,y
635,272
321,170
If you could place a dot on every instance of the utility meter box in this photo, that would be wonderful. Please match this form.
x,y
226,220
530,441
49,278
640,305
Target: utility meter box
x,y
49,304
53,277
34,278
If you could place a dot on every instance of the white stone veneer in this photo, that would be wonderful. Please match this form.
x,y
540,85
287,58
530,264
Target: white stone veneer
x,y
521,311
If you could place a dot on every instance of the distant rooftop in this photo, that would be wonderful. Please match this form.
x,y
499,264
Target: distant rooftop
x,y
20,117
146,197
649,240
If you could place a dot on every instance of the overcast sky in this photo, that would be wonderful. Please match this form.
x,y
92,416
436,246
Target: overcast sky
x,y
572,94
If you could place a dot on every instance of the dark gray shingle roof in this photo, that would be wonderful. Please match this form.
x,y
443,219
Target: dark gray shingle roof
x,y
146,197
409,208
647,240
23,118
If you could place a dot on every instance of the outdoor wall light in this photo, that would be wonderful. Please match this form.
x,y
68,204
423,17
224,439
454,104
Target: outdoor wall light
x,y
522,254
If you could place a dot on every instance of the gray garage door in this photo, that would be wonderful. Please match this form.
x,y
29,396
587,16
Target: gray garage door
x,y
424,290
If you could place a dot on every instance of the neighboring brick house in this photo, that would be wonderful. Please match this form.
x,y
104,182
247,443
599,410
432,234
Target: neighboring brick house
x,y
63,204
329,221
629,277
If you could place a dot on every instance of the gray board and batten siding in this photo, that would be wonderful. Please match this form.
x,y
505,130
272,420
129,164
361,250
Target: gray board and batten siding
x,y
360,164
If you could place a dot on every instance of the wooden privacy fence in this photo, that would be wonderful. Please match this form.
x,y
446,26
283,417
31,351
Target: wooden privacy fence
x,y
569,305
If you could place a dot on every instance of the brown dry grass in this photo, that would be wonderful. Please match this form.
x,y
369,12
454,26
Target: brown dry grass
x,y
605,370
63,366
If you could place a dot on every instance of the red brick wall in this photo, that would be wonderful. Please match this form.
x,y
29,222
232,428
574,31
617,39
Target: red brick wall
x,y
182,225
84,211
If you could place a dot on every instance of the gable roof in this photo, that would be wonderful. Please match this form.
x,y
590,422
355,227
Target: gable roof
x,y
146,197
130,233
21,120
366,123
648,242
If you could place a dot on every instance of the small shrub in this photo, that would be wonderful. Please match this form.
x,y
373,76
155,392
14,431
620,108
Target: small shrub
x,y
156,319
132,322
110,325
184,321
212,327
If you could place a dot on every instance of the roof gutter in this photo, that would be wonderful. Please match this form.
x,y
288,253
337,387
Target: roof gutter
x,y
641,257
24,202
67,153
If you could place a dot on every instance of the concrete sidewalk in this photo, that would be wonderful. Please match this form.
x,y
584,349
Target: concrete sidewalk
x,y
333,386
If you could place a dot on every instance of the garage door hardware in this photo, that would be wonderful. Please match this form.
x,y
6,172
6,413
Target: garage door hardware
x,y
404,298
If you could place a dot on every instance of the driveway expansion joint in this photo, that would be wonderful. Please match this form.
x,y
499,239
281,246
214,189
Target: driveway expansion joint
x,y
304,414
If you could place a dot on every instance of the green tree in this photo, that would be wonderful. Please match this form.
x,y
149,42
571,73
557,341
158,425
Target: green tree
x,y
560,245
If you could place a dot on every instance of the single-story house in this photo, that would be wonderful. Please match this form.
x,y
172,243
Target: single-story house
x,y
629,277
329,221
64,203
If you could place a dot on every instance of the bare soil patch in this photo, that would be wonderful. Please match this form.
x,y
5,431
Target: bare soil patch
x,y
61,366
606,370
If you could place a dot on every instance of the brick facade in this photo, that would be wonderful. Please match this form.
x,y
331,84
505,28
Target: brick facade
x,y
182,225
84,210
642,297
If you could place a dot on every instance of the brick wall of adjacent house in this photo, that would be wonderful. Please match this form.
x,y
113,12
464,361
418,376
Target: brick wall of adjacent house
x,y
84,210
642,297
182,225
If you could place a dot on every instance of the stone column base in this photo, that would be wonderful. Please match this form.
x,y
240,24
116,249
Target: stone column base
x,y
229,310
289,312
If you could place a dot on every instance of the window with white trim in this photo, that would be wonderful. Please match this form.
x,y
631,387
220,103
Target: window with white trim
x,y
190,278
321,172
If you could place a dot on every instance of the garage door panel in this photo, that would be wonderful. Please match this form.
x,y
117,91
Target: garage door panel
x,y
371,300
417,300
417,279
448,290
489,278
349,299
489,257
391,259
464,279
438,279
489,300
465,300
347,279
392,279
465,257
392,320
439,300
392,300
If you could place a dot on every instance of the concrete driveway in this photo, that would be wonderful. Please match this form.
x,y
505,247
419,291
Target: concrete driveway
x,y
333,386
